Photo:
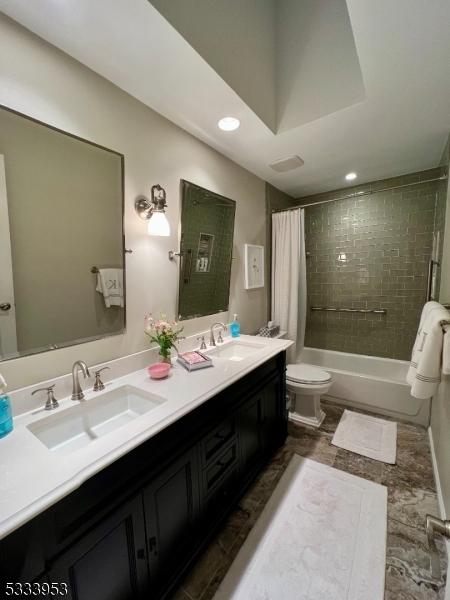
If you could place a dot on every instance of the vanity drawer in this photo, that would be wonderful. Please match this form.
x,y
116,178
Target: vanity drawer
x,y
217,468
223,495
215,441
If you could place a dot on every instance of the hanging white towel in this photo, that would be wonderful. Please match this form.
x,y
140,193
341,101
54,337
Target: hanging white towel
x,y
424,373
110,284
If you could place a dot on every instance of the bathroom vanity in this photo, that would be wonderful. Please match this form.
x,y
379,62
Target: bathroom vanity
x,y
132,527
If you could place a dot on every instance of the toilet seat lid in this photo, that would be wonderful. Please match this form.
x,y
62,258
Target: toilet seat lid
x,y
304,373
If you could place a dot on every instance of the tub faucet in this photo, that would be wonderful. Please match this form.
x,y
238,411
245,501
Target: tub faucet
x,y
77,392
212,341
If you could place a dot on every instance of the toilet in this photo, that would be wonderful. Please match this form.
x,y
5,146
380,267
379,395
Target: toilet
x,y
306,384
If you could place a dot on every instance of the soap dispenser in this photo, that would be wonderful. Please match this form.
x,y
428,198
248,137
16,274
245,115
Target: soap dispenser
x,y
235,328
6,422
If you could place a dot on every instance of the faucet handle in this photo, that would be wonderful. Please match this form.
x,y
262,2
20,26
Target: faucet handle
x,y
51,402
203,343
219,337
98,384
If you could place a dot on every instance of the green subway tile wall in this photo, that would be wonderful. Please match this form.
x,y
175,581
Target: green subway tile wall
x,y
385,242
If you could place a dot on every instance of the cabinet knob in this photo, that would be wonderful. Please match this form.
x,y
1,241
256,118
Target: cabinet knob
x,y
5,306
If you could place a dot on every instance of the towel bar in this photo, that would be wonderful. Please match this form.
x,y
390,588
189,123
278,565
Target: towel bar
x,y
375,311
95,269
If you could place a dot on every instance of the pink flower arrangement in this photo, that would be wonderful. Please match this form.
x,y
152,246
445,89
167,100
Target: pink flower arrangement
x,y
162,332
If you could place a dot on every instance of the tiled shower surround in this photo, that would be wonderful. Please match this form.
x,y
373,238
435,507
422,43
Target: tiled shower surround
x,y
371,251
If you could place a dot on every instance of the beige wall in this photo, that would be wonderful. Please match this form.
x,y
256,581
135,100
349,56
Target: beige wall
x,y
65,213
440,429
444,291
275,199
440,405
39,80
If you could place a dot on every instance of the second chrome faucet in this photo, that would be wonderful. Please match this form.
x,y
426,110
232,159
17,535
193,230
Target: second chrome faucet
x,y
77,392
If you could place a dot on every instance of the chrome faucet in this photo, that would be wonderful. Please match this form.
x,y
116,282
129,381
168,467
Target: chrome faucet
x,y
77,392
212,341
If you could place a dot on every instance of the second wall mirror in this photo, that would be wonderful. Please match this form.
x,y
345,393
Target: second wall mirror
x,y
207,229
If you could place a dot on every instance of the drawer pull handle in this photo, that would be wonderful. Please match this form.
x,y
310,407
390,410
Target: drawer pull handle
x,y
152,546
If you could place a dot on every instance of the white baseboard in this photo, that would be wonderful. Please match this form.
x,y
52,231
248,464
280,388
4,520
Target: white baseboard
x,y
442,511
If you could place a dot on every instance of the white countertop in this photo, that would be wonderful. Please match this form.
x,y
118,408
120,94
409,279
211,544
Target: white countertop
x,y
32,477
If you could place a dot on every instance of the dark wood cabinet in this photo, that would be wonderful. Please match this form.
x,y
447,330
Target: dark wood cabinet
x,y
132,530
274,415
250,434
110,561
171,504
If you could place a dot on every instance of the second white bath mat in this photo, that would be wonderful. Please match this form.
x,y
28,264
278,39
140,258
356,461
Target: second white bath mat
x,y
368,436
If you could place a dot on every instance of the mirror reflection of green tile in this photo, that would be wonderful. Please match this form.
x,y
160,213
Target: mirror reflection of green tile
x,y
207,228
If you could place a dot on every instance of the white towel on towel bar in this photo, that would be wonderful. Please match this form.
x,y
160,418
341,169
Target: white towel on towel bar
x,y
110,284
424,373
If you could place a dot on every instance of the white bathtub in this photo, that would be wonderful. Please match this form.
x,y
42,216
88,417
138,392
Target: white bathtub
x,y
370,383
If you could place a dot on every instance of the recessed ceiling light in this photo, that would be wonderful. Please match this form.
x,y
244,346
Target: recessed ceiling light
x,y
351,176
229,123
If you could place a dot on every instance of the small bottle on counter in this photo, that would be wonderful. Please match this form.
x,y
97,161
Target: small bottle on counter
x,y
235,328
6,421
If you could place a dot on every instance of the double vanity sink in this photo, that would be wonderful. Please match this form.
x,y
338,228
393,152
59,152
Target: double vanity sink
x,y
131,482
76,427
50,454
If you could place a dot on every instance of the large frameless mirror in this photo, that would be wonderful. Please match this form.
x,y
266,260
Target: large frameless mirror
x,y
207,228
61,238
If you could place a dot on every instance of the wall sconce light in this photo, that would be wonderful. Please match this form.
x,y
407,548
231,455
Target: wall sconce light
x,y
154,211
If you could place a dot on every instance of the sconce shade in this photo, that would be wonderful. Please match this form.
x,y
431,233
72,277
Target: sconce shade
x,y
153,211
159,225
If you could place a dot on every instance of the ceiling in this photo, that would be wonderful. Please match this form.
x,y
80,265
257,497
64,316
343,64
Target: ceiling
x,y
349,86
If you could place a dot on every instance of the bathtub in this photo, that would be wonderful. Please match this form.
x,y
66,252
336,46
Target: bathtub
x,y
370,383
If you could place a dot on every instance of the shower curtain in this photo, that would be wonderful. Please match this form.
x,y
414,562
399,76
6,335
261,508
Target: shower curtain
x,y
289,277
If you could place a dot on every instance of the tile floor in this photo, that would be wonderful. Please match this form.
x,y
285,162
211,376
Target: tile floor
x,y
411,495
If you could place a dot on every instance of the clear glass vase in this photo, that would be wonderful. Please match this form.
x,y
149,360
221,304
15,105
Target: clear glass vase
x,y
165,358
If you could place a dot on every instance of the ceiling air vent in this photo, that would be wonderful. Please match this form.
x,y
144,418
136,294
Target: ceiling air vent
x,y
287,164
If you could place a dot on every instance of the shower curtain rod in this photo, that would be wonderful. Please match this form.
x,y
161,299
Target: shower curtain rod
x,y
358,194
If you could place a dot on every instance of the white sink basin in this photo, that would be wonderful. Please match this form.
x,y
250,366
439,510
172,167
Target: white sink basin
x,y
80,425
236,350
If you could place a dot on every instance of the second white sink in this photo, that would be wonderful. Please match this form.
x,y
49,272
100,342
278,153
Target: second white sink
x,y
80,425
236,350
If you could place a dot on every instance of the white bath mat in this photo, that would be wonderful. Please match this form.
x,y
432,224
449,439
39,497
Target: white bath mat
x,y
321,536
368,436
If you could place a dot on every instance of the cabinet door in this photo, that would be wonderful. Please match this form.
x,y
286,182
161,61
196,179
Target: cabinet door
x,y
171,504
250,439
274,417
109,562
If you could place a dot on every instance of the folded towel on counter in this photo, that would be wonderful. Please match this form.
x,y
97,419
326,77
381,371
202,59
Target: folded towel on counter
x,y
424,373
110,284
